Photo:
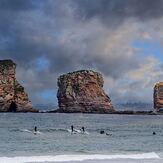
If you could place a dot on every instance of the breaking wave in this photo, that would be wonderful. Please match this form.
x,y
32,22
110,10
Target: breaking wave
x,y
69,158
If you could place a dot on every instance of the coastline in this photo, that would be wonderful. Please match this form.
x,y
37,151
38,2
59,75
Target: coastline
x,y
126,112
120,112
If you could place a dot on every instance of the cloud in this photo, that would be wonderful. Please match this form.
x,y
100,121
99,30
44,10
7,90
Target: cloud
x,y
138,84
113,12
48,38
17,5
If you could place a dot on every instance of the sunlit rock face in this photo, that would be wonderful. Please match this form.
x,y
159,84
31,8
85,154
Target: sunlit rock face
x,y
158,96
12,95
81,91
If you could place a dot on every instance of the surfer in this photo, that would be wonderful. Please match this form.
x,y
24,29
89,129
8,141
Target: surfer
x,y
102,132
83,129
154,133
35,129
72,128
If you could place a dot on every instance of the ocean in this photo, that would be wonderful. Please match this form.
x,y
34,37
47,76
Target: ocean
x,y
129,138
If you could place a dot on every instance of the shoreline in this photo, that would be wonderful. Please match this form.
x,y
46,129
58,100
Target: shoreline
x,y
127,112
120,112
82,157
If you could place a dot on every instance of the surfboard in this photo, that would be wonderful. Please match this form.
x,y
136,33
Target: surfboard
x,y
31,131
26,130
87,133
76,131
37,132
108,134
81,132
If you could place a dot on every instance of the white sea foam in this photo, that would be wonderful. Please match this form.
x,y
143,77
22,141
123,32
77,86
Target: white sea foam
x,y
63,158
25,130
31,131
78,132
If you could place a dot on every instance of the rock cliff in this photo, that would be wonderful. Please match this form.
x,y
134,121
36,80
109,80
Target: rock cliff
x,y
81,91
12,95
158,96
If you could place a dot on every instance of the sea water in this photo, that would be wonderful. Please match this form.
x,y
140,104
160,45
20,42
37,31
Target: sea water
x,y
130,138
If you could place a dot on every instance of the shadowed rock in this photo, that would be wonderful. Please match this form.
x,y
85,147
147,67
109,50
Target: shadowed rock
x,y
13,97
81,91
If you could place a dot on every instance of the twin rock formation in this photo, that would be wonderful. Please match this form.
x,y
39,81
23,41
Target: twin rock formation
x,y
13,97
81,91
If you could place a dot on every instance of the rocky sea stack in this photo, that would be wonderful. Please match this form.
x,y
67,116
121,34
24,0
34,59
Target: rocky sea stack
x,y
81,91
13,97
158,96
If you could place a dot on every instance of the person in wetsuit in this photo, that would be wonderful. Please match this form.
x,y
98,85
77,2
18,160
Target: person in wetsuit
x,y
72,128
35,129
102,132
154,133
83,129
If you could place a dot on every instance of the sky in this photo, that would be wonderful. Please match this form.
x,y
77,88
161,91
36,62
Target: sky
x,y
121,39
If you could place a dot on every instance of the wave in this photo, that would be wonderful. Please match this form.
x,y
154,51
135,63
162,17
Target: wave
x,y
51,130
62,158
31,131
26,130
55,129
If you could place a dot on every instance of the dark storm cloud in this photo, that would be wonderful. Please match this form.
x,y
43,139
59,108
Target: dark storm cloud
x,y
25,25
112,12
16,5
22,19
9,10
13,30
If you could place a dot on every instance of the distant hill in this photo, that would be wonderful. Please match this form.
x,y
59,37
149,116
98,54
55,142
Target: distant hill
x,y
134,106
45,107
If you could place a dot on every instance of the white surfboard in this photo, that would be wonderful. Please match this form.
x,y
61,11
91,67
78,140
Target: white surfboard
x,y
76,131
31,131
